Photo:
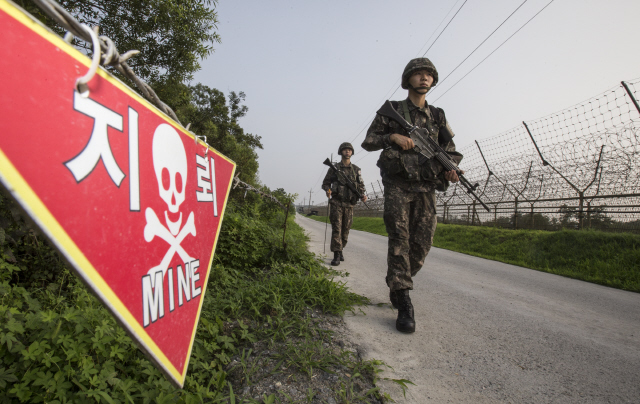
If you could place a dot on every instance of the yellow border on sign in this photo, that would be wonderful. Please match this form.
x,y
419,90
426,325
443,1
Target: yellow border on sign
x,y
206,281
29,200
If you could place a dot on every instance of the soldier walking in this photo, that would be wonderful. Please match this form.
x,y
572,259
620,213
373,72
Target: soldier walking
x,y
342,199
410,184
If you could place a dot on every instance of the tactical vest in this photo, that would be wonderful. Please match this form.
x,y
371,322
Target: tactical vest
x,y
339,188
408,164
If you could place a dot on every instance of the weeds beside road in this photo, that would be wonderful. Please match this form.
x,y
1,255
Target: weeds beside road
x,y
270,328
610,259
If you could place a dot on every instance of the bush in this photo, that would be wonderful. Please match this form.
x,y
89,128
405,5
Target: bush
x,y
59,344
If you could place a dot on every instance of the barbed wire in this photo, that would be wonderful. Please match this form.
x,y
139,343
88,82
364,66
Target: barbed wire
x,y
248,187
586,156
110,55
574,168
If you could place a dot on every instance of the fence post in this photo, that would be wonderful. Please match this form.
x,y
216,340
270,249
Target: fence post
x,y
495,216
284,232
581,211
515,215
374,191
473,214
589,214
444,213
635,102
532,219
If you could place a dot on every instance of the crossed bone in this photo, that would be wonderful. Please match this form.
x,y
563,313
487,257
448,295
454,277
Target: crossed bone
x,y
154,228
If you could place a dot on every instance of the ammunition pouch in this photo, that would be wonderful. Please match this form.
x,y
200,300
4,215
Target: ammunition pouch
x,y
404,164
410,166
341,190
389,162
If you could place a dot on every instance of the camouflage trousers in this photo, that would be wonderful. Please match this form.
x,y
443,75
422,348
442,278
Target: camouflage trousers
x,y
410,219
341,219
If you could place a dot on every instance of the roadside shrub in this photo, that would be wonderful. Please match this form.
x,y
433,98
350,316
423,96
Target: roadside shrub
x,y
59,344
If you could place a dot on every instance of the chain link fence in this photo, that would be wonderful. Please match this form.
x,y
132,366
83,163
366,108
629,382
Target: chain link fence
x,y
576,169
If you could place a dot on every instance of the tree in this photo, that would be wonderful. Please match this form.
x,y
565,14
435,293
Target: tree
x,y
568,216
211,116
172,35
597,218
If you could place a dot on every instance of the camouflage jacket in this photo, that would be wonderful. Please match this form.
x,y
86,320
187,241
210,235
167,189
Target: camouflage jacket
x,y
339,190
400,167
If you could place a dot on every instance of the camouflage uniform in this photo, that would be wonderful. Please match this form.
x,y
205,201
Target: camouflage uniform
x,y
409,191
342,202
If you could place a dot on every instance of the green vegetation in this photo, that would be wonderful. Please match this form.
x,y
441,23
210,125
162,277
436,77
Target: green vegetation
x,y
611,259
59,344
172,36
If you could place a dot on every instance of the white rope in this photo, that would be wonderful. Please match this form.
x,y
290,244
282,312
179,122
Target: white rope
x,y
81,83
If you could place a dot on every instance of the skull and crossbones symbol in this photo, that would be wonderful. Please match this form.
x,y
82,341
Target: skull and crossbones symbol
x,y
170,165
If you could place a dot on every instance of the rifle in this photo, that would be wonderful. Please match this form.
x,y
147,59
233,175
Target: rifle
x,y
428,148
349,183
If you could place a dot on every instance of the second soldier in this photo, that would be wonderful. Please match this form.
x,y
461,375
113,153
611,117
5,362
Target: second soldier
x,y
342,199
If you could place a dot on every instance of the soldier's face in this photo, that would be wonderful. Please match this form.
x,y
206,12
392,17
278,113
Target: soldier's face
x,y
421,81
347,153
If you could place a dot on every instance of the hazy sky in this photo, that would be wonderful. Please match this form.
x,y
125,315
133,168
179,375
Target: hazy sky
x,y
314,73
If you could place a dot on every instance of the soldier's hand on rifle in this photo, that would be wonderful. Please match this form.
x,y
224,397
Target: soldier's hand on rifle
x,y
404,142
328,193
364,198
452,176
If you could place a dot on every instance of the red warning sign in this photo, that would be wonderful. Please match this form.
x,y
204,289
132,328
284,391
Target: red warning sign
x,y
131,199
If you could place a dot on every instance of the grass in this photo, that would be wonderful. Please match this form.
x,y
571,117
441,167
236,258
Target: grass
x,y
610,259
59,344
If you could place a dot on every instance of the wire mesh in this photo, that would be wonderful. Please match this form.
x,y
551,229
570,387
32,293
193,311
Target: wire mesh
x,y
577,168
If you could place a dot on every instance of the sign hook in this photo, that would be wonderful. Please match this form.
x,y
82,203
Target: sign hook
x,y
81,82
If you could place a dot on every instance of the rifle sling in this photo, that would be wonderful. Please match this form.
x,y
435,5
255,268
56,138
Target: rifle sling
x,y
405,109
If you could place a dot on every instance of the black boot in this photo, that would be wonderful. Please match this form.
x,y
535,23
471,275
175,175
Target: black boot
x,y
341,256
394,299
405,321
336,258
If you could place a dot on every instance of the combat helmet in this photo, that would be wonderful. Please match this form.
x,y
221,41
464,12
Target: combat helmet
x,y
345,145
418,64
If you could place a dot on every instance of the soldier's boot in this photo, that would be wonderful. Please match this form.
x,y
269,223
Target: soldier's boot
x,y
405,321
394,299
341,256
336,258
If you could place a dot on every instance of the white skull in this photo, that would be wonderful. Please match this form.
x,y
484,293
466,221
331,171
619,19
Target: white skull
x,y
170,164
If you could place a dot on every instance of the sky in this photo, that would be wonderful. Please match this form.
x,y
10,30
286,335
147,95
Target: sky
x,y
314,73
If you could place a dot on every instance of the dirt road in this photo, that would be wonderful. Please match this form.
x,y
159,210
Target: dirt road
x,y
489,332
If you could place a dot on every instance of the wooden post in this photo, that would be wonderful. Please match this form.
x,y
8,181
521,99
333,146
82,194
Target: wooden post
x,y
444,214
284,244
515,215
473,214
532,219
581,211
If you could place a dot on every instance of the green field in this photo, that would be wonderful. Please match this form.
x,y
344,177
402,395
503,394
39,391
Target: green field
x,y
611,259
